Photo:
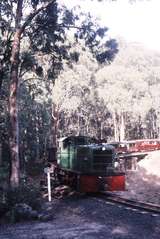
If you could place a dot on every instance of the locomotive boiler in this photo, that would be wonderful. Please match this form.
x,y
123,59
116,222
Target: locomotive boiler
x,y
88,166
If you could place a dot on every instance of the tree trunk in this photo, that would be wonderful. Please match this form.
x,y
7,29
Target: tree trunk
x,y
122,128
13,108
115,127
13,112
78,127
55,118
1,74
101,129
87,126
37,125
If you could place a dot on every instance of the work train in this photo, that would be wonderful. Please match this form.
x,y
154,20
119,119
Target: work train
x,y
89,166
133,146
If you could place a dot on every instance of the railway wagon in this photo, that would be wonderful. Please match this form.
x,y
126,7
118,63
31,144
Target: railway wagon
x,y
143,145
139,145
88,166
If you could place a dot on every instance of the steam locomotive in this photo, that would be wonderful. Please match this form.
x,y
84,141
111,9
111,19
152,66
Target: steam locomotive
x,y
89,166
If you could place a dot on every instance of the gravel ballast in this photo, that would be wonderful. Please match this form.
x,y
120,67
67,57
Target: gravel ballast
x,y
143,184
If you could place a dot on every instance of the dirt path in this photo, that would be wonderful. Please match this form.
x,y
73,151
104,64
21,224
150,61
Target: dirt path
x,y
86,218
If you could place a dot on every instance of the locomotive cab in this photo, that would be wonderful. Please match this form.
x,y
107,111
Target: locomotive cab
x,y
73,153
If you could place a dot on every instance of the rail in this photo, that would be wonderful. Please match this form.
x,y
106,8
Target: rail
x,y
143,206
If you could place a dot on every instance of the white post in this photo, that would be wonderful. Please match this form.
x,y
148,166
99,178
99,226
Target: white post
x,y
49,186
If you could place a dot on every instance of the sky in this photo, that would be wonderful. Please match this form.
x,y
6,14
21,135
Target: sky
x,y
137,22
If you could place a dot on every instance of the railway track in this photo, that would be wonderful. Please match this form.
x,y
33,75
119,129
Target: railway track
x,y
142,206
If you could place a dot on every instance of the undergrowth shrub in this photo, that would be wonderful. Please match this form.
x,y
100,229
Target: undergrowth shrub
x,y
34,169
27,193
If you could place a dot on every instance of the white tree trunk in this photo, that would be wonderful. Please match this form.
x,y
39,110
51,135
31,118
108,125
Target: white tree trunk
x,y
116,138
122,128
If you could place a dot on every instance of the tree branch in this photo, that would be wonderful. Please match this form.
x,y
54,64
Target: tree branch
x,y
29,79
18,13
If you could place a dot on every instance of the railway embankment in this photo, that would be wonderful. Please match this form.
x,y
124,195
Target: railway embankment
x,y
143,184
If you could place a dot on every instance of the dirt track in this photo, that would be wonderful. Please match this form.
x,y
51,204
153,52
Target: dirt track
x,y
85,218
